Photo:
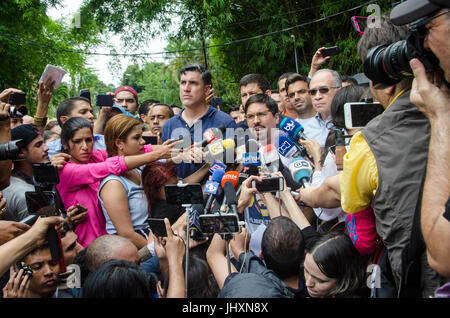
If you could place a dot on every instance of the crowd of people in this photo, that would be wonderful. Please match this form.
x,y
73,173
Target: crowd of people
x,y
360,212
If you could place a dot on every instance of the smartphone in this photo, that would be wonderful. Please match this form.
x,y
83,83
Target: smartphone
x,y
188,194
272,184
357,115
152,140
219,223
104,100
41,203
53,73
217,103
81,208
157,226
330,51
17,98
45,172
86,94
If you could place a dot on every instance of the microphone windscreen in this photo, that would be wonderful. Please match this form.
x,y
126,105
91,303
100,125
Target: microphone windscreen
x,y
229,144
217,175
231,176
230,193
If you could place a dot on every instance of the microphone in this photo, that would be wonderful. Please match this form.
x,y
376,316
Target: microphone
x,y
230,147
251,157
230,195
271,158
288,148
214,151
293,128
212,187
301,171
231,177
211,134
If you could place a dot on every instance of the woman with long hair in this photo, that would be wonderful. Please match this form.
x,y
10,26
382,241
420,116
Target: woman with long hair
x,y
80,177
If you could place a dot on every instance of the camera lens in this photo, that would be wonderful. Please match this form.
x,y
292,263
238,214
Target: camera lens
x,y
388,64
9,150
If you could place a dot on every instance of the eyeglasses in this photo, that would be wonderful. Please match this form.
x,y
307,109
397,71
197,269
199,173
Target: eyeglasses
x,y
322,90
259,114
128,100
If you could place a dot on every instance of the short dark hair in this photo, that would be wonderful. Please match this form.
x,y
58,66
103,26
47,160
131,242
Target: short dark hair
x,y
283,247
264,99
176,106
349,79
119,279
66,107
234,108
171,113
284,75
347,94
261,80
295,77
145,106
200,68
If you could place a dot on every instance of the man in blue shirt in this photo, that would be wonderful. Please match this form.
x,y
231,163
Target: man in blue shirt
x,y
197,116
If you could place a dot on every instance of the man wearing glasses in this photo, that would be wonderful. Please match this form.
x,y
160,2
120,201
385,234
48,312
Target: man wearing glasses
x,y
298,94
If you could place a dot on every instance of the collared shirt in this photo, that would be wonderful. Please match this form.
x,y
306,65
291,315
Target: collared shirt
x,y
176,127
54,147
359,178
315,128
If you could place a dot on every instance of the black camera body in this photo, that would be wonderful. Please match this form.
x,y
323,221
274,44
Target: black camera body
x,y
389,64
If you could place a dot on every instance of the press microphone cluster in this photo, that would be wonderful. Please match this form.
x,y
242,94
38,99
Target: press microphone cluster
x,y
301,171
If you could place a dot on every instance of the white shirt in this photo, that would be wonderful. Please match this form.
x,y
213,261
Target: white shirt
x,y
315,128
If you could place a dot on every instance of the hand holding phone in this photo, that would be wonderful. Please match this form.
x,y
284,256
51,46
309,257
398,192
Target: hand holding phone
x,y
157,226
272,184
330,51
104,100
52,73
358,115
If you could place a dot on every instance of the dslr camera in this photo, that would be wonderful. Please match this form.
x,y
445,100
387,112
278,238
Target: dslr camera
x,y
389,64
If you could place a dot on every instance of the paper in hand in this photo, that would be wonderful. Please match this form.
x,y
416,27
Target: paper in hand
x,y
53,73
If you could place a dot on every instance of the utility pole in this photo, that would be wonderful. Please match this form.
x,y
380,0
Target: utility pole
x,y
295,53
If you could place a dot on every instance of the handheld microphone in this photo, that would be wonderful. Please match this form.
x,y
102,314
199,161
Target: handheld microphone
x,y
293,128
251,157
212,187
287,147
214,151
271,158
230,147
301,171
229,177
211,134
230,195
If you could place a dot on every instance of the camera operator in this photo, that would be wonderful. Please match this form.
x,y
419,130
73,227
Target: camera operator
x,y
376,174
432,98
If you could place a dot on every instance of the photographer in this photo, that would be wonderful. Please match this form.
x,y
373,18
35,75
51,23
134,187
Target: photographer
x,y
431,96
389,181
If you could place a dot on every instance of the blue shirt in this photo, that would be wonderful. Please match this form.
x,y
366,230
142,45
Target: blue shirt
x,y
177,127
54,147
315,128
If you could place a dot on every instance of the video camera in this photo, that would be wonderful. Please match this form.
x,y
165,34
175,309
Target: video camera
x,y
46,202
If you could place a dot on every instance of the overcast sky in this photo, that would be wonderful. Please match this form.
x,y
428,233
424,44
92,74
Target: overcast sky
x,y
100,63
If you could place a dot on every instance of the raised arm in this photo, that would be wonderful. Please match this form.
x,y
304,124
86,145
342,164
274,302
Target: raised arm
x,y
328,195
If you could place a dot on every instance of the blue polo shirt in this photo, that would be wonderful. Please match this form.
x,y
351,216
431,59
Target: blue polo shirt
x,y
176,127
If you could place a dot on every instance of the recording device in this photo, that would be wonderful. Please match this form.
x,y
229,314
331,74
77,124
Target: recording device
x,y
357,115
301,171
17,98
46,202
81,209
9,150
195,230
27,270
293,128
251,157
211,134
157,226
212,187
230,177
29,220
104,100
52,73
17,102
330,51
271,158
219,223
289,148
217,103
387,65
152,140
86,94
272,184
179,194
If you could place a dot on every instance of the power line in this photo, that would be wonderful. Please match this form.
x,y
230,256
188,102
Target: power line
x,y
193,49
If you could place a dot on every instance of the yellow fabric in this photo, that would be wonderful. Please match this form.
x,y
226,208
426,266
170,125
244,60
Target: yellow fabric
x,y
359,178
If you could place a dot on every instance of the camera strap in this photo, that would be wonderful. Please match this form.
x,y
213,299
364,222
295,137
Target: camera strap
x,y
23,176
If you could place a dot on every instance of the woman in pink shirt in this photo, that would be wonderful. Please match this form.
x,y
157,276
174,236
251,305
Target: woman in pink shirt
x,y
81,176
